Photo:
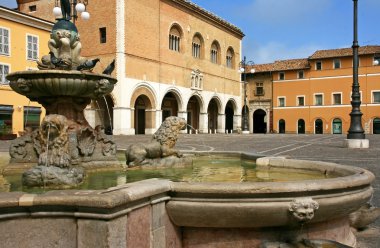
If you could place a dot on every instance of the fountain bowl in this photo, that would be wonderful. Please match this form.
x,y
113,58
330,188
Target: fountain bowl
x,y
52,83
185,214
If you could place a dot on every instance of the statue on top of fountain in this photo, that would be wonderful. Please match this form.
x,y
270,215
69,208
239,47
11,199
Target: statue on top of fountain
x,y
64,45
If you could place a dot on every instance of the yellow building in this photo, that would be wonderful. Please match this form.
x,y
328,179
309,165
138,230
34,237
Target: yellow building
x,y
23,40
313,95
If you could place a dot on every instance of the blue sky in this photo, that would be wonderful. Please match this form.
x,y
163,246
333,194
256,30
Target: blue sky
x,y
284,29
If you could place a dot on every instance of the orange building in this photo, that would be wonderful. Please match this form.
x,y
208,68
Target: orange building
x,y
172,58
313,95
23,40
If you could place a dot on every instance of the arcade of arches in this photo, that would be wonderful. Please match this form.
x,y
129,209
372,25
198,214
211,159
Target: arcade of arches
x,y
146,115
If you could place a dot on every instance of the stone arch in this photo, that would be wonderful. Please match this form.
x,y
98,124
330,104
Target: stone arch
x,y
177,94
259,124
144,90
214,108
229,113
143,114
194,108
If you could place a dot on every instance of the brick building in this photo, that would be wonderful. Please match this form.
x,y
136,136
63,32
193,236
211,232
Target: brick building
x,y
313,95
23,40
172,57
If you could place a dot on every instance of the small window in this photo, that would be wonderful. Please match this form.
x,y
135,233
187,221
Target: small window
x,y
376,97
301,74
32,8
229,58
318,65
337,98
259,89
214,53
4,71
196,47
300,100
336,63
281,76
4,41
174,39
318,99
32,47
281,101
103,35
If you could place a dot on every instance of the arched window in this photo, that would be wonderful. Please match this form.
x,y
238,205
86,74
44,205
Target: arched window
x,y
337,126
281,126
229,58
197,46
174,39
214,53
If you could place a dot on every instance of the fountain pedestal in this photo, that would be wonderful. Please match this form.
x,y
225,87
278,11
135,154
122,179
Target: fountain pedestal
x,y
65,141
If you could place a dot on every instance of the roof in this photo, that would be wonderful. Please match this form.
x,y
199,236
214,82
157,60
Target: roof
x,y
19,17
344,52
208,15
283,65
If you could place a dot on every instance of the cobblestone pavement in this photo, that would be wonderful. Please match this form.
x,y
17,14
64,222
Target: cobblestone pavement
x,y
327,148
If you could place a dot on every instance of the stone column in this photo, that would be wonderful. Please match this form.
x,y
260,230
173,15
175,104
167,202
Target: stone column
x,y
183,114
237,123
221,123
250,120
203,123
122,121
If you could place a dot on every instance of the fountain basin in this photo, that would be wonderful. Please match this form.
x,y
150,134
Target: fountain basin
x,y
178,214
53,83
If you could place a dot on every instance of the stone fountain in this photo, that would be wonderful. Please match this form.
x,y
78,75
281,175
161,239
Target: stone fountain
x,y
64,86
154,212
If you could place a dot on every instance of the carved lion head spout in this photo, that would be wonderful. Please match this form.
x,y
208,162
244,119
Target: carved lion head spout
x,y
53,142
303,209
54,128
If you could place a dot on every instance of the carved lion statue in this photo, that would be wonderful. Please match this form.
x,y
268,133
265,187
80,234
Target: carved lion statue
x,y
161,145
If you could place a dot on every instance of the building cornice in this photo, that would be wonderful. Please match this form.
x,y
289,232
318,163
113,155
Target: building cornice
x,y
210,17
25,19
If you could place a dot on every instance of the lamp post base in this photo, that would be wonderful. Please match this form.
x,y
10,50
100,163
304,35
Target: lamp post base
x,y
356,143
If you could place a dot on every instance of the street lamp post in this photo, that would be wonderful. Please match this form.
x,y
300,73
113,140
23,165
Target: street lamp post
x,y
356,136
243,67
75,6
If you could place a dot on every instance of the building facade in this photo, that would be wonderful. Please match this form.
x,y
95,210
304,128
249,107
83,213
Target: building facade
x,y
172,58
313,95
23,40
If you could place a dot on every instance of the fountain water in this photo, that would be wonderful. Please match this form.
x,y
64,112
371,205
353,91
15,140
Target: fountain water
x,y
171,214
